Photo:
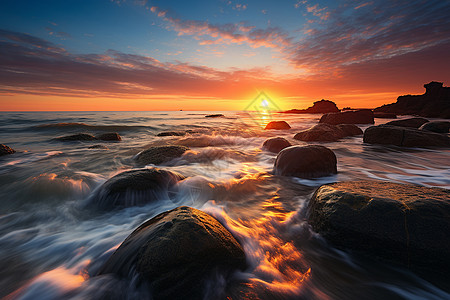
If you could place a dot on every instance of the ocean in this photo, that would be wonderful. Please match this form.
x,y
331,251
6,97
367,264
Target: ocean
x,y
51,245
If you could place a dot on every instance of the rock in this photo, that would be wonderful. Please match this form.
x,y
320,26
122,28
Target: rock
x,y
434,103
134,188
362,116
275,144
171,133
411,122
403,223
159,154
111,136
4,150
319,107
327,133
404,137
100,147
176,252
214,116
305,162
436,126
382,115
280,125
77,137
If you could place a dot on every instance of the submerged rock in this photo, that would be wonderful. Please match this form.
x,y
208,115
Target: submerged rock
x,y
382,115
305,162
214,116
99,147
275,144
110,136
4,150
436,126
328,133
411,122
175,252
171,133
362,116
280,125
77,137
134,188
159,154
319,107
404,137
403,223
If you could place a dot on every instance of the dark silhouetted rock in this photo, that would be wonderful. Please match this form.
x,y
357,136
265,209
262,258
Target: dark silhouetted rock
x,y
406,224
214,116
382,115
276,144
305,162
435,103
436,126
277,125
99,147
411,122
4,150
362,116
159,154
77,137
171,133
327,133
319,107
404,137
175,252
110,136
134,188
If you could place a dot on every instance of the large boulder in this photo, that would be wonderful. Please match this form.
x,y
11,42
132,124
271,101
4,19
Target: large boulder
x,y
110,136
319,107
159,154
305,162
362,116
404,223
328,133
280,125
134,188
176,252
404,137
275,144
436,126
77,137
4,150
410,122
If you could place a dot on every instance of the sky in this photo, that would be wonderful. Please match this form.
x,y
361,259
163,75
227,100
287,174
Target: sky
x,y
219,55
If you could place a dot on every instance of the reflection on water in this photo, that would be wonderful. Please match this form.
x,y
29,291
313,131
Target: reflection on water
x,y
49,244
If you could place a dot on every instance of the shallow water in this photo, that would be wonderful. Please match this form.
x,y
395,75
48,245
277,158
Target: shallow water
x,y
51,246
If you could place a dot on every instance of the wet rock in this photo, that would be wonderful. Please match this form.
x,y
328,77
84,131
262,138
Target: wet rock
x,y
328,133
382,115
159,154
4,150
405,224
404,137
110,136
99,147
411,122
436,126
363,116
319,107
305,162
134,188
280,125
275,144
214,116
175,252
77,137
171,133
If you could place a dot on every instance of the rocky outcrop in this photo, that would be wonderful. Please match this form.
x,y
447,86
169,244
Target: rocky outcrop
x,y
280,125
159,154
405,224
411,122
175,252
275,144
134,188
319,107
404,137
328,133
110,136
434,103
362,116
305,162
4,150
436,126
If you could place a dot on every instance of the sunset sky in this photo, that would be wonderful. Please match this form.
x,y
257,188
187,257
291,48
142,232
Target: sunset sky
x,y
218,54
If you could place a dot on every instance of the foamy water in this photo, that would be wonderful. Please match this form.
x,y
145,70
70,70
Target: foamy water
x,y
51,245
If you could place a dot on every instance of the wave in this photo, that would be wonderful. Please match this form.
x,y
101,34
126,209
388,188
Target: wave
x,y
84,126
